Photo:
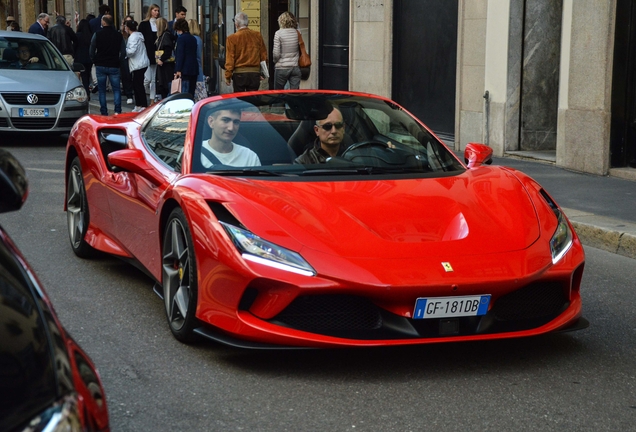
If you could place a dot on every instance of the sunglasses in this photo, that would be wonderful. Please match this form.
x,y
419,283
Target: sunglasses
x,y
327,126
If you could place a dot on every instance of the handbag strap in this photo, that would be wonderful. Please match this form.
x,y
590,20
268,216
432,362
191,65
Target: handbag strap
x,y
301,42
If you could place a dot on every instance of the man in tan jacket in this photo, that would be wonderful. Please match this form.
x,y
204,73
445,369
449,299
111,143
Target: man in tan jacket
x,y
244,52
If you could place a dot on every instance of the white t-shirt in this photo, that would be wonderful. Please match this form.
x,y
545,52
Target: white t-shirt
x,y
239,156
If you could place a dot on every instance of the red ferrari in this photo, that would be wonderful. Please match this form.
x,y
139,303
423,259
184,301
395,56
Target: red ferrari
x,y
320,219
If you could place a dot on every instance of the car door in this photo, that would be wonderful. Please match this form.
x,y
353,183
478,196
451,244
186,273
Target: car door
x,y
135,198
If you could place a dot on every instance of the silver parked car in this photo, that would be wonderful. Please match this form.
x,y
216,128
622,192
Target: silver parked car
x,y
39,91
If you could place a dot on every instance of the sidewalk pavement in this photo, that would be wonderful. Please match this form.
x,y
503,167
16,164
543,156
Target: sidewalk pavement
x,y
602,209
110,103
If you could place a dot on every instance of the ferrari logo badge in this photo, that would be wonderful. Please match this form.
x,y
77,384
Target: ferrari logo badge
x,y
180,273
447,266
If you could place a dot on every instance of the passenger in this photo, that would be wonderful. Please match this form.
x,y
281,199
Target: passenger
x,y
330,133
219,148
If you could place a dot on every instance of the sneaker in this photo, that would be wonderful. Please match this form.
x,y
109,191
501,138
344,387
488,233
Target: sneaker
x,y
95,89
138,109
129,101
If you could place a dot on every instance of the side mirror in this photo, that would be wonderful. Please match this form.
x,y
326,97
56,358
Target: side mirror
x,y
477,154
14,186
134,161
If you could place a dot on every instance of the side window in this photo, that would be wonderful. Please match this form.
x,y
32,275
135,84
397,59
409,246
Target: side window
x,y
165,134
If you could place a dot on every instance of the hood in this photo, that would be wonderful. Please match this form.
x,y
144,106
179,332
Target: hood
x,y
480,211
37,81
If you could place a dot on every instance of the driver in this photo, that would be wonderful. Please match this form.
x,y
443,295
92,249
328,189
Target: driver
x,y
220,149
24,57
330,133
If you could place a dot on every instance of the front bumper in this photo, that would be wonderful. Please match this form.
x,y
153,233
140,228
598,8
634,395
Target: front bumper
x,y
58,115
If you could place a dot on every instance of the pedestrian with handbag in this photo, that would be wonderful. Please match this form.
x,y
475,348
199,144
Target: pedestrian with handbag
x,y
148,28
245,51
286,54
200,91
165,58
186,67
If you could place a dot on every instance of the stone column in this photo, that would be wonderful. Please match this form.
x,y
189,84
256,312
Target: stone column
x,y
29,13
371,43
471,66
583,131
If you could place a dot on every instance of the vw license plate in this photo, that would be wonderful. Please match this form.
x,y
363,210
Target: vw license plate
x,y
33,112
443,307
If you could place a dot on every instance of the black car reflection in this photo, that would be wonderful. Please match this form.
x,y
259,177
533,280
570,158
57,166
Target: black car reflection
x,y
46,381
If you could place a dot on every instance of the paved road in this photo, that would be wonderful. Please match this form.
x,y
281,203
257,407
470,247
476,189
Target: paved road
x,y
579,381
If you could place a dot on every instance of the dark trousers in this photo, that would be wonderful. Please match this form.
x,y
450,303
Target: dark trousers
x,y
86,77
244,82
126,79
138,87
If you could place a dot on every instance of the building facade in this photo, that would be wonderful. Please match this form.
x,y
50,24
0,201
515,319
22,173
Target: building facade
x,y
548,77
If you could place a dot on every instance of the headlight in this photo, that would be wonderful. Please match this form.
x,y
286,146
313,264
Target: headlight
x,y
561,240
255,249
77,94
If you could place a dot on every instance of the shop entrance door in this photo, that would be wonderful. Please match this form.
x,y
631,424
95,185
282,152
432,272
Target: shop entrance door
x,y
425,61
623,124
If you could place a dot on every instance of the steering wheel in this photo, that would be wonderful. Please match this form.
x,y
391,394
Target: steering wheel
x,y
368,143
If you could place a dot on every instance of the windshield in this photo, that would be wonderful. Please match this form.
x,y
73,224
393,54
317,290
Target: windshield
x,y
30,54
315,134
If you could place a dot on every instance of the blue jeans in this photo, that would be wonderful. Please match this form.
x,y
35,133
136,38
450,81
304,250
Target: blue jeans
x,y
112,73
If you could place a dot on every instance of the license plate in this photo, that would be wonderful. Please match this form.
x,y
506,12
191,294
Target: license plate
x,y
33,112
444,307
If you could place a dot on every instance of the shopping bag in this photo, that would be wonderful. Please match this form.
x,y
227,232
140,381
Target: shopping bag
x,y
175,86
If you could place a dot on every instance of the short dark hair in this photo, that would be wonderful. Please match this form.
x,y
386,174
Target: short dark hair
x,y
180,9
108,20
61,19
103,9
181,25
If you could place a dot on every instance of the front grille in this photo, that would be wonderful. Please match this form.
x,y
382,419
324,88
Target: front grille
x,y
21,98
33,123
4,122
358,318
535,301
327,313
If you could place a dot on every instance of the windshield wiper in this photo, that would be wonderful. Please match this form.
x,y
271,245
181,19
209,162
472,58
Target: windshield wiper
x,y
362,170
325,171
247,172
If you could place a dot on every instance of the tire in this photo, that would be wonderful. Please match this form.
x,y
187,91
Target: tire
x,y
77,215
179,278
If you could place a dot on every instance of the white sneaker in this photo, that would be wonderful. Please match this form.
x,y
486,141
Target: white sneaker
x,y
129,101
138,109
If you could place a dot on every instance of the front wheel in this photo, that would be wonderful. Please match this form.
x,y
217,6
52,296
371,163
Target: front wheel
x,y
77,216
179,277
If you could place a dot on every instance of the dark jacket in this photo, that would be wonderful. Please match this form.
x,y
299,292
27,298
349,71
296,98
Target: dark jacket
x,y
96,24
84,36
64,38
150,37
36,28
107,47
186,55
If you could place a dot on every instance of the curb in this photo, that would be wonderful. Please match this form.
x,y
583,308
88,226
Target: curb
x,y
604,233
